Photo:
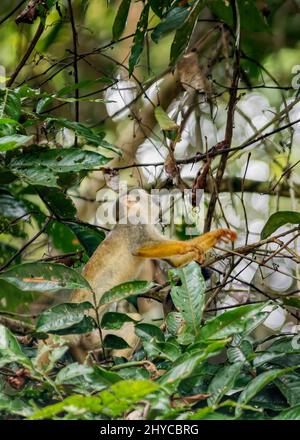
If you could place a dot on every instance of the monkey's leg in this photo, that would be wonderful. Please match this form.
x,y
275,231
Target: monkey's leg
x,y
164,249
182,260
182,252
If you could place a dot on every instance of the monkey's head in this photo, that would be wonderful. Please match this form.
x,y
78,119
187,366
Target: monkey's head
x,y
137,207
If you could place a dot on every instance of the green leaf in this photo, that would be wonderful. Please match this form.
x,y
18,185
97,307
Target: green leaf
x,y
11,405
44,277
277,220
43,104
114,320
291,301
223,382
256,385
90,136
189,297
121,19
87,325
162,350
125,290
139,38
174,322
115,342
14,141
42,167
185,364
11,105
184,33
159,6
251,18
149,331
164,121
6,252
58,202
289,414
62,237
11,207
231,322
285,345
89,236
289,385
71,372
10,350
61,316
103,377
114,402
172,21
236,354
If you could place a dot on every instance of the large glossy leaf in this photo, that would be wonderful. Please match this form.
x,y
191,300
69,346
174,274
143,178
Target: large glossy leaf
x,y
103,377
138,41
44,277
115,342
86,379
289,385
62,160
10,350
149,331
121,19
58,202
277,220
87,325
257,384
183,34
14,141
62,316
70,373
161,350
172,21
11,105
231,322
289,414
124,290
62,237
89,236
223,382
114,320
185,364
285,345
189,297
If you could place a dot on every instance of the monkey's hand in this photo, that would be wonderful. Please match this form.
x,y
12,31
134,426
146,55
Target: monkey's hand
x,y
183,252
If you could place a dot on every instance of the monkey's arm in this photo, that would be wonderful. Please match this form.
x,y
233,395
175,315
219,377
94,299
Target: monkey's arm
x,y
182,252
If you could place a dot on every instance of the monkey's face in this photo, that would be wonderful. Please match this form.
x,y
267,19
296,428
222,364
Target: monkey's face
x,y
138,207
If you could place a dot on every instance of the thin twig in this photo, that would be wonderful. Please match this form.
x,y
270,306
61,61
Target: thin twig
x,y
27,54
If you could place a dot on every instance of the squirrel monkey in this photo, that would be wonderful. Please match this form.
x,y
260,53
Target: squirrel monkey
x,y
121,257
